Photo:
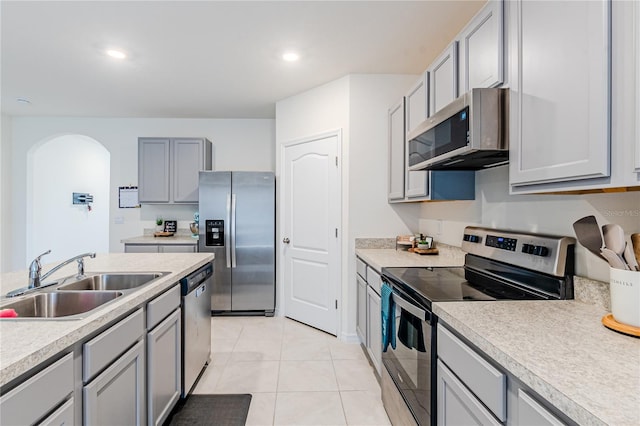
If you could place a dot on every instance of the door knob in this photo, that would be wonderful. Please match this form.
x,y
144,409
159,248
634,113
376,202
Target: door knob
x,y
286,241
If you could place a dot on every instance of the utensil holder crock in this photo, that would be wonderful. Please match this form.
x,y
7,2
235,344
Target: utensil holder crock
x,y
624,287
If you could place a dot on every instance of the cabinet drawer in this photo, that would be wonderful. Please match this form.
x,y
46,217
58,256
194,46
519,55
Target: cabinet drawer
x,y
102,350
361,267
161,306
531,413
373,279
456,404
141,248
63,416
38,395
484,380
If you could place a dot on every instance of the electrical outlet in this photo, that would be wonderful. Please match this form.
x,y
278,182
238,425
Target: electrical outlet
x,y
439,227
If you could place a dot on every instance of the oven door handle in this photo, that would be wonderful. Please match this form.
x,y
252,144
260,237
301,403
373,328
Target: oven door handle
x,y
411,308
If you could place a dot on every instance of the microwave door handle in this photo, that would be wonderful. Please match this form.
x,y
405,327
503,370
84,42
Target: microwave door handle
x,y
411,308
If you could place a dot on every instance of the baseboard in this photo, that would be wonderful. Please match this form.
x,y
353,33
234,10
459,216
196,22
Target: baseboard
x,y
349,337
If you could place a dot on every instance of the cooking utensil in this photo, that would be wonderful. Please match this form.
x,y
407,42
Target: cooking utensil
x,y
614,239
588,233
635,241
630,258
615,261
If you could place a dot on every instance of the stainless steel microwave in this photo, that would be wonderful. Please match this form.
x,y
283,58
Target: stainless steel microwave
x,y
470,133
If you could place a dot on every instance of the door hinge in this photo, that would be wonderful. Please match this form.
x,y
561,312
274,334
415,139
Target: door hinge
x,y
336,232
336,303
336,161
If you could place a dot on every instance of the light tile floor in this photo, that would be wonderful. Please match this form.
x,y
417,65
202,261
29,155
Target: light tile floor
x,y
296,374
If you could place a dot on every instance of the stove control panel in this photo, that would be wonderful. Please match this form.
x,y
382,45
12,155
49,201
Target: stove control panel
x,y
503,243
544,253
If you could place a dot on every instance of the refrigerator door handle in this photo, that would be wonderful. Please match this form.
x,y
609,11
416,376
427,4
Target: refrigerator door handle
x,y
233,230
227,233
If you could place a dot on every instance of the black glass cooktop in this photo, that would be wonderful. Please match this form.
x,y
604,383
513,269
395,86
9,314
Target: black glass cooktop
x,y
444,284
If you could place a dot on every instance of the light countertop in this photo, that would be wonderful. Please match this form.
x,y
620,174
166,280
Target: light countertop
x,y
561,350
150,239
25,343
379,258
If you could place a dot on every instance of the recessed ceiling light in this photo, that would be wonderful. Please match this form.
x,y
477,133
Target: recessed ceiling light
x,y
117,54
290,56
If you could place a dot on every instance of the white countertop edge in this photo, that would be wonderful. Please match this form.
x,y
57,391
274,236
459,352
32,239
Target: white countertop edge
x,y
69,332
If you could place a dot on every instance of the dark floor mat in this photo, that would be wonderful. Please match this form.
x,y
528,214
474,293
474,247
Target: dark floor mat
x,y
211,410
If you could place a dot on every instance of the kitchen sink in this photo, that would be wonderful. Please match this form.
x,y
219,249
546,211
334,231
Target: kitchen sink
x,y
60,304
111,281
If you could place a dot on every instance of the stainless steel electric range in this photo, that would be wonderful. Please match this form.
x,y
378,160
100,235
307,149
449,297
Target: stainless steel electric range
x,y
499,265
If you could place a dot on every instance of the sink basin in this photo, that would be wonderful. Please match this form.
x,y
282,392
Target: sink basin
x,y
112,281
55,305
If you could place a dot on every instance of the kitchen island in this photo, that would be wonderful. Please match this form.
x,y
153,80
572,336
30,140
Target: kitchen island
x,y
25,343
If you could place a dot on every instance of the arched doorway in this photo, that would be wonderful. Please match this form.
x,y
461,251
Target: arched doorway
x,y
57,168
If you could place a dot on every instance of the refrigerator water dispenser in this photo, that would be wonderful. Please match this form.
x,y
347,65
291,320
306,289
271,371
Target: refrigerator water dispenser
x,y
214,233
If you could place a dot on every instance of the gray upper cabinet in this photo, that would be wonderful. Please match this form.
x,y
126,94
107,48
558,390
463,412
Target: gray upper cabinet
x,y
168,169
153,170
560,104
481,49
415,113
396,152
443,79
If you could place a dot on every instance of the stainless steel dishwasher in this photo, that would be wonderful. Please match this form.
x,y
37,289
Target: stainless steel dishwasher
x,y
196,325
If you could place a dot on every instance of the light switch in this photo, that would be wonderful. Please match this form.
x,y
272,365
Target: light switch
x,y
119,220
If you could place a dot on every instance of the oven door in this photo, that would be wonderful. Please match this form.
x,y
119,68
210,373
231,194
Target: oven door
x,y
410,364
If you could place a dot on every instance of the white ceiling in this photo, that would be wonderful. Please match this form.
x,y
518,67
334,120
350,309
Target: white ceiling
x,y
206,59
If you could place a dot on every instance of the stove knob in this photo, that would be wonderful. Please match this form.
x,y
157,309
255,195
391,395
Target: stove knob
x,y
527,248
541,251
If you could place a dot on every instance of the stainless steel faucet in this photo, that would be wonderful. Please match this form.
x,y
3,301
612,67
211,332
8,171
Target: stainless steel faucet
x,y
35,269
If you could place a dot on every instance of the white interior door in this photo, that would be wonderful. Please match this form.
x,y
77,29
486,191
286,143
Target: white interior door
x,y
310,230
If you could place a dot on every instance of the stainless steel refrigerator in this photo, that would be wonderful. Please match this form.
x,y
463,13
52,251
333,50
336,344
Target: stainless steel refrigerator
x,y
237,224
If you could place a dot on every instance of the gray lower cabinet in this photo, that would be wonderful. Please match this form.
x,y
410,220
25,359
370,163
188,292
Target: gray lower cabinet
x,y
456,404
113,370
368,320
44,397
361,318
532,413
472,389
164,359
160,248
116,396
374,328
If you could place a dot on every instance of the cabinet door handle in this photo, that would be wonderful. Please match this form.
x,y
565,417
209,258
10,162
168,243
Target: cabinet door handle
x,y
286,240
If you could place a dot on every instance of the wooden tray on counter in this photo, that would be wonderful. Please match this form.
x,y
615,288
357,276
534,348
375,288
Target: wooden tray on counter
x,y
609,322
163,234
424,251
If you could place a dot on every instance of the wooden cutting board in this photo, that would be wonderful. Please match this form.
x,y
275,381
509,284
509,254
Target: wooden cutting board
x,y
163,234
424,251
